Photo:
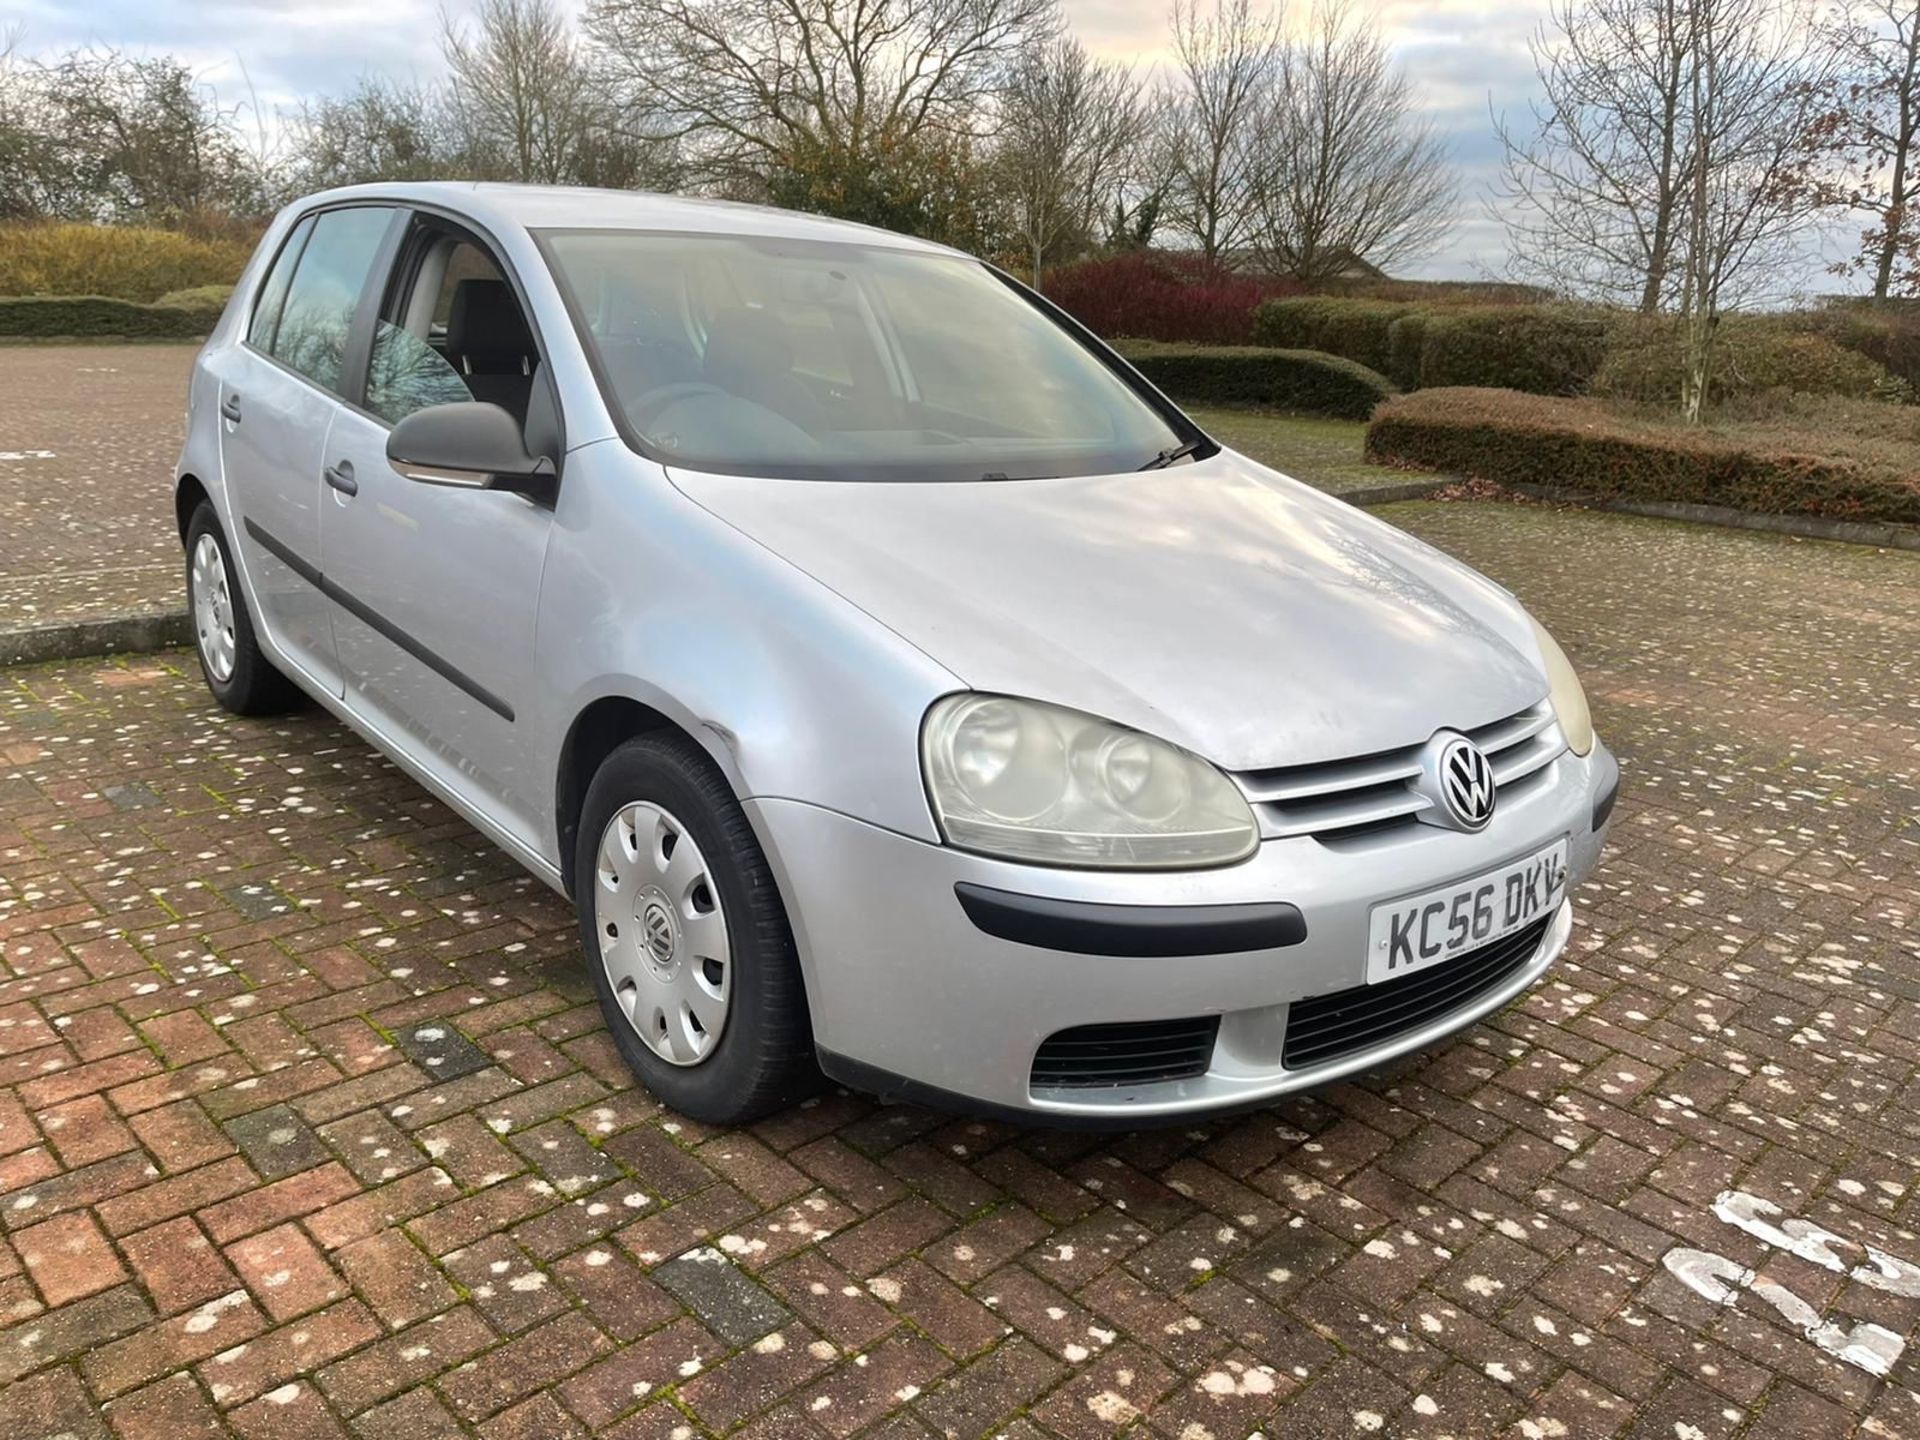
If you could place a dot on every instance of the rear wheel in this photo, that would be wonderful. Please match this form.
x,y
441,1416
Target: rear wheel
x,y
237,671
686,939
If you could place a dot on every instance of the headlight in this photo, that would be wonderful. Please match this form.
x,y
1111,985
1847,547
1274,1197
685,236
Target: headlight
x,y
1034,782
1569,700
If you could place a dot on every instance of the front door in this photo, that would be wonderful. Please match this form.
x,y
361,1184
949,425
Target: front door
x,y
436,590
435,593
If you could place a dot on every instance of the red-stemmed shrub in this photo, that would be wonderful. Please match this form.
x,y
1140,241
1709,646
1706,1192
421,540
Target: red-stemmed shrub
x,y
1159,295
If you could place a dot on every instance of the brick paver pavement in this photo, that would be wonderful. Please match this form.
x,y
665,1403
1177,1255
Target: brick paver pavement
x,y
88,439
308,1126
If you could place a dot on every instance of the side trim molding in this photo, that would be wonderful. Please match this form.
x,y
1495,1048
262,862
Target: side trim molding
x,y
1085,927
306,571
374,620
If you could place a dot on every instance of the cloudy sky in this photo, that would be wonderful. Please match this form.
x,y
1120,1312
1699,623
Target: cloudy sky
x,y
1463,54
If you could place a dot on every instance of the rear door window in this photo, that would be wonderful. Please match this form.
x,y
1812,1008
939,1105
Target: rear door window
x,y
312,334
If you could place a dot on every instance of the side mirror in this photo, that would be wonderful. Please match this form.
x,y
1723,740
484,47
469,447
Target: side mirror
x,y
471,445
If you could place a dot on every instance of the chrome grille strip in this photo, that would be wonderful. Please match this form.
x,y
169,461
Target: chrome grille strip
x,y
1284,787
1503,734
1374,789
1341,812
1523,760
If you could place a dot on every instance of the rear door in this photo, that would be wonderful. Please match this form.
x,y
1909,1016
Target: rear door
x,y
279,391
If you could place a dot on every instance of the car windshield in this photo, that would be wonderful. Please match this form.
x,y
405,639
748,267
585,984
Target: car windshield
x,y
802,360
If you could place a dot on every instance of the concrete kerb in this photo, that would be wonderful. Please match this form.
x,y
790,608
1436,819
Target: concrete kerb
x,y
109,635
1392,494
1879,535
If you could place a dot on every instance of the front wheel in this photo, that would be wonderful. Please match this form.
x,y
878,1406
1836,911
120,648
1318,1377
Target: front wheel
x,y
686,939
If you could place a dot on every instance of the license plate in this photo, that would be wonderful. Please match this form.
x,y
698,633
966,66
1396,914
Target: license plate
x,y
1434,927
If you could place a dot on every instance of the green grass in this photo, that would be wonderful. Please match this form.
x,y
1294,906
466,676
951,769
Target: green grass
x,y
1324,453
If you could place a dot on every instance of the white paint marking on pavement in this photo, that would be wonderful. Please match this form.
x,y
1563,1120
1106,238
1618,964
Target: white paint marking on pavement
x,y
1811,1242
1715,1278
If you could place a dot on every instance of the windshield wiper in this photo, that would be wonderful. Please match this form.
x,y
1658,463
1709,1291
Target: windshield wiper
x,y
1167,457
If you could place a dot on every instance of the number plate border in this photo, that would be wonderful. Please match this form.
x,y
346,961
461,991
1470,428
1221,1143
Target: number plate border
x,y
1563,844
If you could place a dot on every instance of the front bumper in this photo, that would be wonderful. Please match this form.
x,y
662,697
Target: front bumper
x,y
910,996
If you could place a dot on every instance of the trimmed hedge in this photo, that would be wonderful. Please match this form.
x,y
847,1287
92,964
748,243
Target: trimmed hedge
x,y
1511,438
1302,380
1439,292
1544,350
1887,332
65,317
125,261
199,297
1406,343
1354,329
1752,356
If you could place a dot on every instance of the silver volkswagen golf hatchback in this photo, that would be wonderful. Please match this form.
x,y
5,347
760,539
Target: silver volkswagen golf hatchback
x,y
900,686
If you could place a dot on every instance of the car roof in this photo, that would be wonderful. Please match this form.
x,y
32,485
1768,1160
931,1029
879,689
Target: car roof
x,y
535,207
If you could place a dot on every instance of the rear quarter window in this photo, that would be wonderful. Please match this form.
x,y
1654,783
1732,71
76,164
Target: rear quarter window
x,y
273,294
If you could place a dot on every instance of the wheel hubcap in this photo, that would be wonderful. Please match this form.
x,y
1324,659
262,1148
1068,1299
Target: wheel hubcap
x,y
663,936
212,609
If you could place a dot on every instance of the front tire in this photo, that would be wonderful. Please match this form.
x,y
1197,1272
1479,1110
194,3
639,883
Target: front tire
x,y
686,939
237,671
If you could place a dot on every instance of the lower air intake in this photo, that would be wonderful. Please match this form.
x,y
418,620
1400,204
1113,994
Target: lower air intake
x,y
1109,1056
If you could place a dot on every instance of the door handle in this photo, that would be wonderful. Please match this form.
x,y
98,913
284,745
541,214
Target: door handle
x,y
340,477
230,408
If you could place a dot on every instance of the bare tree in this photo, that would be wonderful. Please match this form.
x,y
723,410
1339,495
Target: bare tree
x,y
1670,158
1226,61
1874,118
1345,169
1068,142
379,130
267,143
838,86
524,95
1139,207
98,135
1756,77
20,137
1593,194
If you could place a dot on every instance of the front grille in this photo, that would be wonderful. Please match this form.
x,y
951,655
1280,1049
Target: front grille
x,y
1328,1026
1147,1053
1375,790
